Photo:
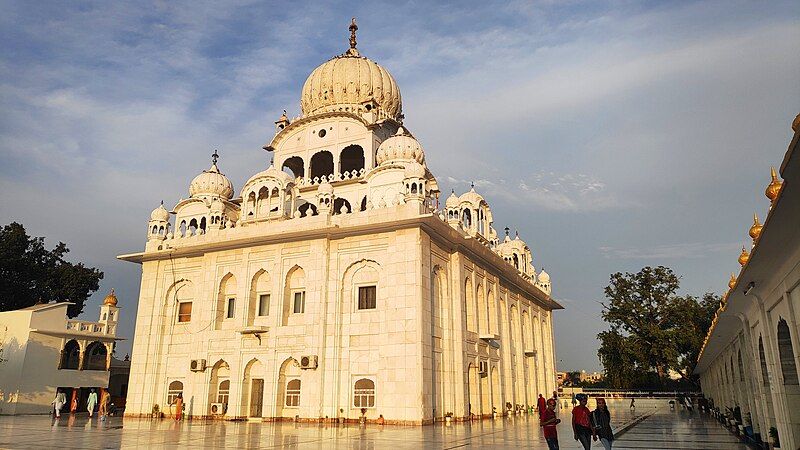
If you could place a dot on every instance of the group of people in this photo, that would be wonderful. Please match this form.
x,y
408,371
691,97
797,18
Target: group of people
x,y
91,402
586,425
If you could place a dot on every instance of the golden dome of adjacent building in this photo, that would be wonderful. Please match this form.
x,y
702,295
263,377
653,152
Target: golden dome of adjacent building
x,y
212,182
348,81
160,214
774,187
755,230
400,147
111,299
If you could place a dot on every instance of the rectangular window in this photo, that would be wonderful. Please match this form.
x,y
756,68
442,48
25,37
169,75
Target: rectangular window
x,y
299,302
184,312
231,307
366,297
263,305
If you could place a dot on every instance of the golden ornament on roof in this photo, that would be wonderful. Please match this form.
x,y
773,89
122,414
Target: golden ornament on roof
x,y
732,281
744,257
774,187
755,230
111,299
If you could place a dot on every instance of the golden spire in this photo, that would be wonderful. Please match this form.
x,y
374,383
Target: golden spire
x,y
744,257
732,281
111,298
774,187
352,51
755,230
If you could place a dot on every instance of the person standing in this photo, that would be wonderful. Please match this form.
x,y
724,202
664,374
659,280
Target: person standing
x,y
91,402
178,404
58,402
105,399
541,404
548,421
633,403
581,425
601,424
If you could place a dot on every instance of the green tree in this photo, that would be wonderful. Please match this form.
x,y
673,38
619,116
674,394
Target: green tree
x,y
653,331
31,273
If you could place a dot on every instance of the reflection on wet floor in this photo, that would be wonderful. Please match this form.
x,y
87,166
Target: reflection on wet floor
x,y
661,429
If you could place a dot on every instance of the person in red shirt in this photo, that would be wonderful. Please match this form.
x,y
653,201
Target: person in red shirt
x,y
541,405
581,425
548,420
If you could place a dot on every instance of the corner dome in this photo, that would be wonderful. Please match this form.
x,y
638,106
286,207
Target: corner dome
x,y
544,277
348,81
271,172
414,170
111,299
211,182
160,214
400,147
472,197
325,188
452,200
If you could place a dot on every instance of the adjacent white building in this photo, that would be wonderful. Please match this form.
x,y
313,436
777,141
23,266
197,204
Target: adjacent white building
x,y
749,359
43,351
336,284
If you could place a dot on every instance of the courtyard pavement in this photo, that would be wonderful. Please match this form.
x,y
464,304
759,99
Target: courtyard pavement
x,y
651,426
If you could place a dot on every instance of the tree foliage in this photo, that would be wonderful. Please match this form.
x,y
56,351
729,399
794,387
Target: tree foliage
x,y
653,331
31,273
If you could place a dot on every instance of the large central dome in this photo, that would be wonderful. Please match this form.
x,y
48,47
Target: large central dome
x,y
348,81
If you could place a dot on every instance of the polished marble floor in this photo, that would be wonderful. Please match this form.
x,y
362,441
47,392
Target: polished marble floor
x,y
654,426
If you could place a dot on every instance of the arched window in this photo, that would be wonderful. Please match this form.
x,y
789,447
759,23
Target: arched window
x,y
294,166
175,388
96,355
321,164
293,393
70,357
224,391
786,353
516,261
203,224
763,361
364,393
307,209
363,204
466,219
351,158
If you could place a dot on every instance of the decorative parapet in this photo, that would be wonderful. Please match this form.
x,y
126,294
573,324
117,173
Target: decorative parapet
x,y
344,176
83,326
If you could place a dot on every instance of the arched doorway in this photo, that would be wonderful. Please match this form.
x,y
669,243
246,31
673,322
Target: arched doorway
x,y
289,389
96,356
253,392
321,164
71,355
351,160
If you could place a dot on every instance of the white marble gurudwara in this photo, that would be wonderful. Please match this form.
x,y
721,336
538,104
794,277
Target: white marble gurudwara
x,y
336,286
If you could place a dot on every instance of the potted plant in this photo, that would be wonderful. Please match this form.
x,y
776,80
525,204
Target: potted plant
x,y
773,437
448,418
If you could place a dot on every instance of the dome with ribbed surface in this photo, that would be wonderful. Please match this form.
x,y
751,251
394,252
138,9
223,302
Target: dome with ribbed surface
x,y
160,214
348,81
400,147
211,182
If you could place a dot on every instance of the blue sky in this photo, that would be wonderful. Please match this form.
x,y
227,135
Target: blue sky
x,y
613,135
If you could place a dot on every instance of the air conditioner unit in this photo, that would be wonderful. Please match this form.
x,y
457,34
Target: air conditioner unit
x,y
308,362
197,365
217,409
483,368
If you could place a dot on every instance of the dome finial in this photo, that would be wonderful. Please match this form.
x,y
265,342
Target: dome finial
x,y
214,157
507,229
352,51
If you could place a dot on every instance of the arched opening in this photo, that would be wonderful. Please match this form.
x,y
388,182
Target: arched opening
x,y
321,164
515,258
492,313
193,227
466,219
226,300
364,393
469,301
497,399
763,360
253,389
173,391
786,353
96,356
182,228
251,204
741,366
307,209
474,405
203,224
351,159
483,314
294,302
289,389
338,204
294,166
363,204
220,389
259,301
71,355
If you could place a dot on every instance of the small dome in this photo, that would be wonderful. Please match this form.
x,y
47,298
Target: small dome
x,y
217,205
111,299
415,170
755,229
452,200
400,147
211,182
160,214
325,188
744,257
543,277
271,172
774,187
732,281
472,197
349,81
